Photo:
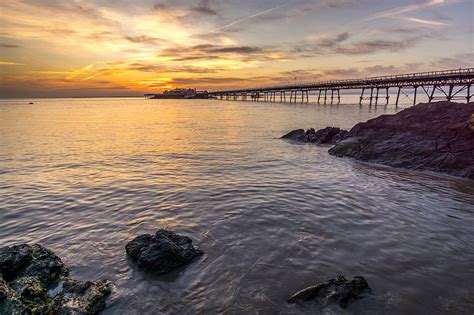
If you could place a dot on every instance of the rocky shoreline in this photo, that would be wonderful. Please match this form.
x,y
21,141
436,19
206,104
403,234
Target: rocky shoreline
x,y
33,280
431,136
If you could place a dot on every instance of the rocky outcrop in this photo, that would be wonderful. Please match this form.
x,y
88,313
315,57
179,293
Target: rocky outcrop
x,y
162,252
328,135
434,136
339,291
33,280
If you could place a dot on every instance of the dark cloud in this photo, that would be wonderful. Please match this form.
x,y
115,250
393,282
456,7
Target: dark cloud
x,y
204,8
340,44
9,46
209,80
369,47
145,39
137,66
332,42
464,60
210,52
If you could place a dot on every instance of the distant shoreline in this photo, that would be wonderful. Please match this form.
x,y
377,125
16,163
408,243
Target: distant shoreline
x,y
70,97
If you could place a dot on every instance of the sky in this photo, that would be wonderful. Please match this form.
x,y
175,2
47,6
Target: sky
x,y
86,48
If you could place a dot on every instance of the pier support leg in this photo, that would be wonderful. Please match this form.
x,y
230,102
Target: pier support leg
x,y
319,97
450,93
325,96
332,97
398,96
361,96
338,97
371,95
414,96
430,99
377,97
468,97
387,96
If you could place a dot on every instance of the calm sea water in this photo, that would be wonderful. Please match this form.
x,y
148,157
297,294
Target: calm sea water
x,y
85,176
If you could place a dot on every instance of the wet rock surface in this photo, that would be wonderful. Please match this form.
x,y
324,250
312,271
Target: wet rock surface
x,y
30,273
163,252
328,135
82,297
433,136
338,291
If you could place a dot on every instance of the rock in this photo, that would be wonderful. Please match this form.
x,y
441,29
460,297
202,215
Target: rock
x,y
339,291
82,297
432,136
328,135
29,273
162,252
296,135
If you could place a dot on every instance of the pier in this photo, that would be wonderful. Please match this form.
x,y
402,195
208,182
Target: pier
x,y
450,85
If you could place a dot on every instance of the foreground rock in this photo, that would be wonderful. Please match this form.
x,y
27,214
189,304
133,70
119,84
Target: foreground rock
x,y
328,135
162,252
435,136
339,291
33,280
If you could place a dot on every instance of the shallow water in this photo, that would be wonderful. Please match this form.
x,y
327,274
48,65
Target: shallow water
x,y
85,176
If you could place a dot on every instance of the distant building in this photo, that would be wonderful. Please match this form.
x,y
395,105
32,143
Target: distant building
x,y
180,94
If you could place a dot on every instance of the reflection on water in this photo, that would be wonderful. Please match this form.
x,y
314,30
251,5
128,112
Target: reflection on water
x,y
85,176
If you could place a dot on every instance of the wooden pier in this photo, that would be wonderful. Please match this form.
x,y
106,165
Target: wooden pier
x,y
447,85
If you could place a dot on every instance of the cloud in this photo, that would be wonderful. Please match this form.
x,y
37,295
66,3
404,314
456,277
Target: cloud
x,y
166,68
204,8
238,21
462,60
332,42
145,39
341,44
423,21
373,46
9,46
222,52
9,63
406,9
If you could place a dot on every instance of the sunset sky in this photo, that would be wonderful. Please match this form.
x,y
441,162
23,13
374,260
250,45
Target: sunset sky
x,y
70,48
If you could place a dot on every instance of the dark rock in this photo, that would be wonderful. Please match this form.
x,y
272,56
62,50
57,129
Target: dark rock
x,y
296,135
433,136
28,273
162,252
339,291
328,135
82,297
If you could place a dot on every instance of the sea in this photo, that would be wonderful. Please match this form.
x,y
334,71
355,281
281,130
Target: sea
x,y
85,176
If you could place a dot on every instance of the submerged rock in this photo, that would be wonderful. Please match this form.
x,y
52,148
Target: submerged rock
x,y
434,136
162,252
82,297
339,291
328,135
296,135
29,273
